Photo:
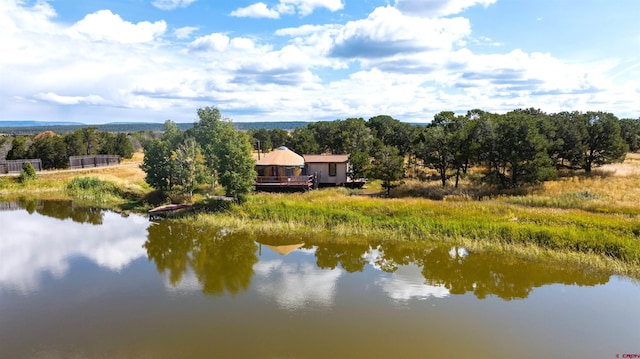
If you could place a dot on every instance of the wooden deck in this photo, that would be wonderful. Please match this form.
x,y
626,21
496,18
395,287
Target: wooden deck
x,y
284,183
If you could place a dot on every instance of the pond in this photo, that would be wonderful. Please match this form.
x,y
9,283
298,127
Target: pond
x,y
82,283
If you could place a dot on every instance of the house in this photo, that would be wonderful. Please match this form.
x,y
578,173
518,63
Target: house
x,y
282,169
331,170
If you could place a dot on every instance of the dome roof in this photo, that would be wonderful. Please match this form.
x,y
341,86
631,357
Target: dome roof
x,y
281,156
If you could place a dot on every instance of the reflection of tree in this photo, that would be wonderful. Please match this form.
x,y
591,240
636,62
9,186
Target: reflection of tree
x,y
499,274
221,261
62,209
349,256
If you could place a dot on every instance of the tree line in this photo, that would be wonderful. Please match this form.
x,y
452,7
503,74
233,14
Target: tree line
x,y
54,149
508,150
519,147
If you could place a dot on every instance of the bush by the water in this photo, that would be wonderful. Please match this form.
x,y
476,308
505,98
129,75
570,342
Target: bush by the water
x,y
91,188
27,173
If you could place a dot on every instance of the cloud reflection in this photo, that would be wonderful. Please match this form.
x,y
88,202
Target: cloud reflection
x,y
38,244
408,283
296,286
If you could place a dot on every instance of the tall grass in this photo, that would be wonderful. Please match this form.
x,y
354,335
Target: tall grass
x,y
611,235
95,190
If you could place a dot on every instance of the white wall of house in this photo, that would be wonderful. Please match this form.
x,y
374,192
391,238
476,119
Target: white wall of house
x,y
323,170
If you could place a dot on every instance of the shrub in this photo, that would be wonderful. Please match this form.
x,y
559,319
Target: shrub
x,y
27,173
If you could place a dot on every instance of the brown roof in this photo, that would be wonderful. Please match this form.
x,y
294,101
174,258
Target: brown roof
x,y
281,156
326,158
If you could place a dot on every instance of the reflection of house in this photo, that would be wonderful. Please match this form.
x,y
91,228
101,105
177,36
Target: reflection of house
x,y
282,169
331,170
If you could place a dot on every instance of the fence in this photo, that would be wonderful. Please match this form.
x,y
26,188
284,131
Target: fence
x,y
13,166
93,161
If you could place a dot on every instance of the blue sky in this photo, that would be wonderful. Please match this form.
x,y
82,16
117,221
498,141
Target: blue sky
x,y
105,61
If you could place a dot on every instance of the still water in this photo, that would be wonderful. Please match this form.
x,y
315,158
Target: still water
x,y
81,283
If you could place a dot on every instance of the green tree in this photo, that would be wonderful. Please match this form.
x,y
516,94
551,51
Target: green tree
x,y
630,132
604,143
51,149
189,164
388,166
521,151
303,141
19,148
236,164
360,164
158,165
227,152
123,146
263,138
278,137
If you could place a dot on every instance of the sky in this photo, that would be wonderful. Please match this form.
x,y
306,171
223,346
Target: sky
x,y
104,61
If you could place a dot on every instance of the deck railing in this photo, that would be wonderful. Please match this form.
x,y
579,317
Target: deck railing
x,y
284,180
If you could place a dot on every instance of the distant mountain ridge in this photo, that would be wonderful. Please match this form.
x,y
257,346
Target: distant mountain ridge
x,y
38,123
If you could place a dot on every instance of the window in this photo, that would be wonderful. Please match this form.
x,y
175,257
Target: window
x,y
333,169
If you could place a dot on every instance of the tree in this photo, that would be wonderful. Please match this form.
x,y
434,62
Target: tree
x,y
604,143
278,137
521,151
360,164
236,164
51,149
630,132
302,140
263,137
436,151
123,146
387,166
157,165
188,163
227,152
19,148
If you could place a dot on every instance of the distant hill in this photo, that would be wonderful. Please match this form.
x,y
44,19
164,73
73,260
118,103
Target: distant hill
x,y
33,127
37,123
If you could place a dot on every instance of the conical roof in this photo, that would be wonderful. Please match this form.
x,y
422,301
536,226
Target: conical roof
x,y
281,156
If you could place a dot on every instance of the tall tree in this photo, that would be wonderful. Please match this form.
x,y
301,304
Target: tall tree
x,y
388,166
521,154
303,141
236,164
604,143
226,150
189,164
51,149
278,137
157,165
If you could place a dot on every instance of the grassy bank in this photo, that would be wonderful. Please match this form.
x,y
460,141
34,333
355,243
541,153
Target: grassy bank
x,y
588,219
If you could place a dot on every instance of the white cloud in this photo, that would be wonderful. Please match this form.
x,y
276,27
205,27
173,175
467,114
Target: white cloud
x,y
434,8
287,7
387,32
211,42
107,26
184,32
257,10
70,100
306,7
171,4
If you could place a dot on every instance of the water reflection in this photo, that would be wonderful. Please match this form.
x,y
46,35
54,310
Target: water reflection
x,y
34,247
225,262
221,261
60,209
